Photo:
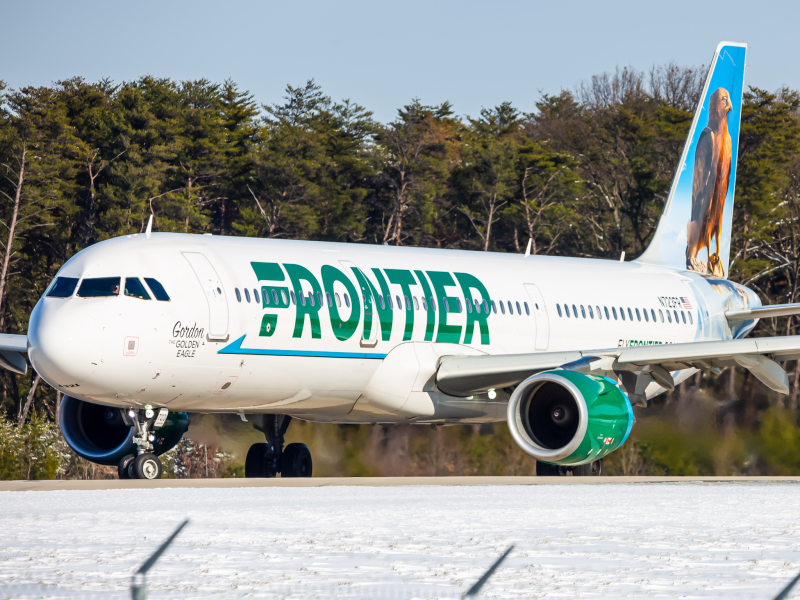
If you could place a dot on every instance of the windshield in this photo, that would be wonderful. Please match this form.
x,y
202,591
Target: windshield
x,y
63,287
135,289
158,290
98,287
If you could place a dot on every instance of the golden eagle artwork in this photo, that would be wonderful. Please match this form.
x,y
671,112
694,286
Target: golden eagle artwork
x,y
712,172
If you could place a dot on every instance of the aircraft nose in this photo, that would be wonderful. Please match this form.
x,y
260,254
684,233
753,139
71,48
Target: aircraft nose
x,y
65,343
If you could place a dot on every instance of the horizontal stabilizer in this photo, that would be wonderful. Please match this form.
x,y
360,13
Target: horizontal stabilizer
x,y
763,312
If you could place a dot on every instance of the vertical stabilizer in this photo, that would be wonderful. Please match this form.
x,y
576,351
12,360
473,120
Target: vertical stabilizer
x,y
694,231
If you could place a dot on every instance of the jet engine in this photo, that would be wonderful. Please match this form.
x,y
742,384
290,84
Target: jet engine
x,y
569,418
103,434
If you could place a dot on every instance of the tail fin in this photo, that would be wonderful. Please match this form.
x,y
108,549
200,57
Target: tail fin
x,y
694,231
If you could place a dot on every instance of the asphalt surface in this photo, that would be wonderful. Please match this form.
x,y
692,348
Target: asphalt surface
x,y
116,484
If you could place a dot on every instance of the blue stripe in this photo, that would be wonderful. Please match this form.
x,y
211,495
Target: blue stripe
x,y
631,419
236,348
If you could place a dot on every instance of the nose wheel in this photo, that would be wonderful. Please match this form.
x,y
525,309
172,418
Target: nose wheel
x,y
270,458
144,464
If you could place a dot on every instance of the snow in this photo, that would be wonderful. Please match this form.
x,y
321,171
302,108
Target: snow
x,y
684,540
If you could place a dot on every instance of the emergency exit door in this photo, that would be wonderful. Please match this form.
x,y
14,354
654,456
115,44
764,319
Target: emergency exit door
x,y
540,312
214,293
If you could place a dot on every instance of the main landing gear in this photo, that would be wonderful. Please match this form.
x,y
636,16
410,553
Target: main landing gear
x,y
271,458
547,470
144,464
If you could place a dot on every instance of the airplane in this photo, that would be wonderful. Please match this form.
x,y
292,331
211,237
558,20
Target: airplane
x,y
139,330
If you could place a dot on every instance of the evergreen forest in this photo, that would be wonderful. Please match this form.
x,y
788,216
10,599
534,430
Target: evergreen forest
x,y
581,173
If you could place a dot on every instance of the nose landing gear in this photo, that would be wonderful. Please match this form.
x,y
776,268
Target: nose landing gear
x,y
269,459
144,464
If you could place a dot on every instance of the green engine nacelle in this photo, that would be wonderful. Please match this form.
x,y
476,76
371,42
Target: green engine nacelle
x,y
569,418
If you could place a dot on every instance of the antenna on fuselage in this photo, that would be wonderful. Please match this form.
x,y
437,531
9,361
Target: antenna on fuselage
x,y
149,229
528,249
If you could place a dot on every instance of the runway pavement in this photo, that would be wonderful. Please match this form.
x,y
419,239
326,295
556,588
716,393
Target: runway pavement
x,y
116,484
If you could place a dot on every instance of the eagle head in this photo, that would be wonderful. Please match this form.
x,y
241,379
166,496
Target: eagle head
x,y
719,106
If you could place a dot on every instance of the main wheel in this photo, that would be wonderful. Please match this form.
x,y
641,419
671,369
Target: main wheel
x,y
124,463
544,469
146,466
296,461
255,465
590,469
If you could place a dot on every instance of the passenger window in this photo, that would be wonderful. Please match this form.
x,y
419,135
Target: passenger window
x,y
408,304
238,295
558,308
255,296
605,308
328,298
445,304
669,317
494,307
380,301
338,300
158,290
527,310
416,303
294,300
638,317
502,307
266,297
433,304
574,311
683,316
347,301
653,314
469,306
275,296
646,319
661,314
458,304
583,311
675,312
599,314
690,318
591,313
99,287
485,307
389,302
399,303
135,289
622,313
247,295
319,299
519,312
510,308
630,314
614,310
63,287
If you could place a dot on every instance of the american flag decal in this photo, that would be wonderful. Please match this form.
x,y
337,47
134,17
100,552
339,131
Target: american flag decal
x,y
686,304
608,441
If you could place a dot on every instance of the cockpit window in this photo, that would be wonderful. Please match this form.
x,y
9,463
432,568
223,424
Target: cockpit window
x,y
158,290
63,287
97,287
135,289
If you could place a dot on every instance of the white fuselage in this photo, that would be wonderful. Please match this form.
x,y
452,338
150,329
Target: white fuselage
x,y
210,349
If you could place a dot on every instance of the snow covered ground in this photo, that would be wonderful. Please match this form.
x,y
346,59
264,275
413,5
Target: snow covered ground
x,y
572,541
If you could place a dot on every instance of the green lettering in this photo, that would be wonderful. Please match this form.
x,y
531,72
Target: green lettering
x,y
447,304
405,280
477,315
373,300
431,322
305,305
343,330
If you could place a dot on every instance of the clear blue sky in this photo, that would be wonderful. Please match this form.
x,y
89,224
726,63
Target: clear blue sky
x,y
382,54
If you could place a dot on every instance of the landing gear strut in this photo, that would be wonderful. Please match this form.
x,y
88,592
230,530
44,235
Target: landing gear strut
x,y
547,470
144,464
270,458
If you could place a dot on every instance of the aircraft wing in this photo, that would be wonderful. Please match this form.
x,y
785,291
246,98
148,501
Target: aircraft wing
x,y
763,312
11,349
636,366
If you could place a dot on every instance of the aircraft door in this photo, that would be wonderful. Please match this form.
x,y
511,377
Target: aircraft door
x,y
215,295
542,320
